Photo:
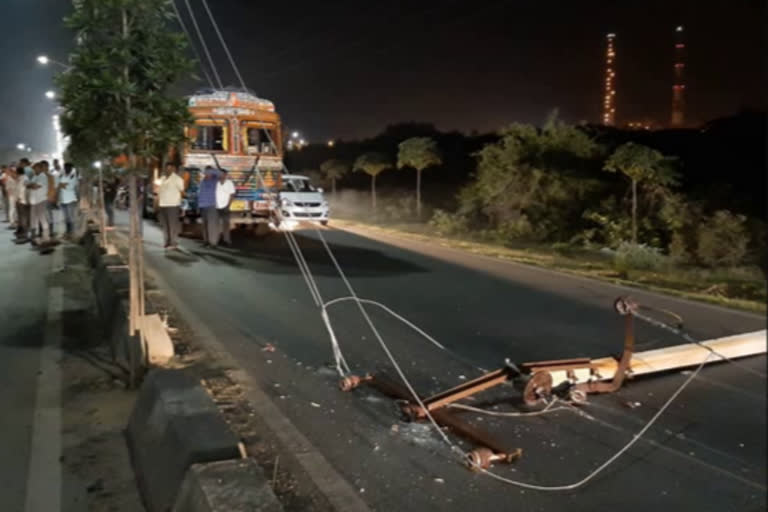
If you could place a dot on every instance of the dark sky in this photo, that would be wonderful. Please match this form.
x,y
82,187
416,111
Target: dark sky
x,y
343,68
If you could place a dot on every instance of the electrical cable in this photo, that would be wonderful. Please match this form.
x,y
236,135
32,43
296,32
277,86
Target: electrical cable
x,y
191,45
205,46
224,44
301,261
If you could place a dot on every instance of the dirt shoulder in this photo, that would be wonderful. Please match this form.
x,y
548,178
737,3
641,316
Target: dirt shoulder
x,y
744,291
96,402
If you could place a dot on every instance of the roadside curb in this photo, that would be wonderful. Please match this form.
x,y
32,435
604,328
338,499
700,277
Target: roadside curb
x,y
175,425
223,486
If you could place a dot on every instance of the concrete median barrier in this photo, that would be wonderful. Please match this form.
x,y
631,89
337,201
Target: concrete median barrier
x,y
174,425
228,486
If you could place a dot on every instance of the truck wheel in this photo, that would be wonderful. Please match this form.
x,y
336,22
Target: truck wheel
x,y
324,222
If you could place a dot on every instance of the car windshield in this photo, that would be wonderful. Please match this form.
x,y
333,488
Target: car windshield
x,y
297,185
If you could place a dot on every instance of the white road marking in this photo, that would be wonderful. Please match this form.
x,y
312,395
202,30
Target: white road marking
x,y
45,475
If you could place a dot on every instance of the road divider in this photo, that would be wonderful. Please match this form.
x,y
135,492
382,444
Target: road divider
x,y
184,455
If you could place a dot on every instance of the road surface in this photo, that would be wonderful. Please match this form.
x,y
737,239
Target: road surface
x,y
708,452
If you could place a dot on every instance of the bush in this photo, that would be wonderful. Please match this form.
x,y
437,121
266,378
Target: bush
x,y
678,249
446,223
397,210
630,256
722,240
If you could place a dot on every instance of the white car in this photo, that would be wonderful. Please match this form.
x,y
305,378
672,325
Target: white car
x,y
300,201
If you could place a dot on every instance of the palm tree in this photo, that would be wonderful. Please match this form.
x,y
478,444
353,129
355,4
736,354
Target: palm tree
x,y
334,169
641,164
372,164
418,153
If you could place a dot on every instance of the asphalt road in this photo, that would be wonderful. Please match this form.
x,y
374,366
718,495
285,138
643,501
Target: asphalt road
x,y
708,452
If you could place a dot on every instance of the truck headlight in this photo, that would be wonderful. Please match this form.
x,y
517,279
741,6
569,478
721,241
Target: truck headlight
x,y
285,202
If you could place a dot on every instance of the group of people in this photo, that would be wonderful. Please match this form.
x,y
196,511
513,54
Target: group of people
x,y
31,193
214,199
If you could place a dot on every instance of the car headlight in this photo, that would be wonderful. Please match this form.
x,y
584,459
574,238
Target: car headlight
x,y
285,202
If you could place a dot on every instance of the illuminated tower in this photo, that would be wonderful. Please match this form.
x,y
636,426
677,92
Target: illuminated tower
x,y
678,88
609,99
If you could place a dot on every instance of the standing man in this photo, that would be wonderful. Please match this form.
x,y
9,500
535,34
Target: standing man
x,y
206,201
22,204
38,202
225,191
68,185
9,185
53,194
111,185
169,201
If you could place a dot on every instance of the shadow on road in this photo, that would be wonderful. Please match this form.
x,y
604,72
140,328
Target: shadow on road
x,y
271,253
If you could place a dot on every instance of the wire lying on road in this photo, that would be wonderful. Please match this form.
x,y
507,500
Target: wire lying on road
x,y
343,368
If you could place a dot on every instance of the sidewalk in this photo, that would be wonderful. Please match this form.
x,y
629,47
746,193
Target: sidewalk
x,y
63,404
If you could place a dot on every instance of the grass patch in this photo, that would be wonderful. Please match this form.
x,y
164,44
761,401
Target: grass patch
x,y
741,288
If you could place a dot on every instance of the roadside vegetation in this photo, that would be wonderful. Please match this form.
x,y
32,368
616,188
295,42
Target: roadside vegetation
x,y
567,197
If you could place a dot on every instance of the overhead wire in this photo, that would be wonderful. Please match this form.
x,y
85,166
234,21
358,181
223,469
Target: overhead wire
x,y
314,291
224,44
205,46
191,44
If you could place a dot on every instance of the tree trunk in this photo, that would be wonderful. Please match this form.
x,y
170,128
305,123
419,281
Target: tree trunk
x,y
418,194
634,212
373,193
333,187
102,211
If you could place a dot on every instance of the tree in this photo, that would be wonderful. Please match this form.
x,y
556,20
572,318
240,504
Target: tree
x,y
642,165
533,183
117,101
372,164
723,239
333,170
418,153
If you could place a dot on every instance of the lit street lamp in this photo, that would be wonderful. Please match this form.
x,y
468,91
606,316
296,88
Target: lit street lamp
x,y
50,95
97,165
21,147
44,60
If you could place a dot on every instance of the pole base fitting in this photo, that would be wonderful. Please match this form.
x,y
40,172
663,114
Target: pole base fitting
x,y
352,381
482,458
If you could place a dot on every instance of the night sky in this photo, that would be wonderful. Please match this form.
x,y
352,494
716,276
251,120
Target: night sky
x,y
345,69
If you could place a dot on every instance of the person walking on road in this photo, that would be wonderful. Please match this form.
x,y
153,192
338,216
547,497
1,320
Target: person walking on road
x,y
67,189
169,201
38,202
206,201
225,192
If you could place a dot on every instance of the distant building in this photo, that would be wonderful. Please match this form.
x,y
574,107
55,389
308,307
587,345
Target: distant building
x,y
609,99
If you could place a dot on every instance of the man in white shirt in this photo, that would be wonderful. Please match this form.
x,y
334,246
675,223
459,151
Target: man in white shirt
x,y
169,194
67,187
225,191
9,182
38,202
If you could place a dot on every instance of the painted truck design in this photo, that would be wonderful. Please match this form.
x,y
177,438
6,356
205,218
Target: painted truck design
x,y
241,133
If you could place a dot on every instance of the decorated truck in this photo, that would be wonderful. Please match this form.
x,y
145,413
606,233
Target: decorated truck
x,y
239,132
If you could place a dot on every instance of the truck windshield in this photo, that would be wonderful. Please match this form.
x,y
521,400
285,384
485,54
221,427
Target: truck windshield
x,y
297,185
258,141
211,138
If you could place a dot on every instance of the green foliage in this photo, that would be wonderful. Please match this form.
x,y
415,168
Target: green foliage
x,y
372,163
643,164
631,256
418,153
446,223
532,183
116,95
334,169
723,239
